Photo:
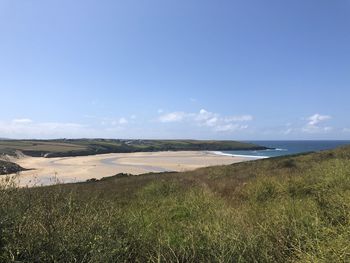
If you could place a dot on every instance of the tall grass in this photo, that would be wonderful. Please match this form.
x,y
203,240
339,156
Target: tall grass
x,y
279,213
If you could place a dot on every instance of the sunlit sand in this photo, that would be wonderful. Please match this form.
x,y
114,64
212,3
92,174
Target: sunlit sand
x,y
46,171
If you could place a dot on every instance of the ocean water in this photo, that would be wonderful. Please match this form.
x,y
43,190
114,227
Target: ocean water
x,y
288,148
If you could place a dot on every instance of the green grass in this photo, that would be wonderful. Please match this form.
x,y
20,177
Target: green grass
x,y
37,147
81,147
288,209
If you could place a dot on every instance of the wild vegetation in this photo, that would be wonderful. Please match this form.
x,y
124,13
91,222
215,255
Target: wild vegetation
x,y
287,209
9,168
81,147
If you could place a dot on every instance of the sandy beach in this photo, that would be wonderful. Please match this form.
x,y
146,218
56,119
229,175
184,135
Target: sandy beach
x,y
47,171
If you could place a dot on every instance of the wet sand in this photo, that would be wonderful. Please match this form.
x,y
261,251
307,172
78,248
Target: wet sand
x,y
47,171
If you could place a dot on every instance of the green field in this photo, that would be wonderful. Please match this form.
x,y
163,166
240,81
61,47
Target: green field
x,y
287,209
81,147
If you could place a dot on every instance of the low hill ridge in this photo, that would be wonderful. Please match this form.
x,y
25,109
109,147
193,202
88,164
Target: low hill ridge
x,y
82,147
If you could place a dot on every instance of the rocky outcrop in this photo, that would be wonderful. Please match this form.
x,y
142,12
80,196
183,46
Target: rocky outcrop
x,y
9,168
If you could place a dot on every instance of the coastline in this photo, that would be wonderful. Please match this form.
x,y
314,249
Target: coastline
x,y
48,171
251,157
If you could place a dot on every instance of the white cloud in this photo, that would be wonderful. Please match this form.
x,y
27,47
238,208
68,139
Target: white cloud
x,y
317,129
23,128
107,121
230,127
314,124
172,117
203,116
287,131
212,121
22,121
239,118
123,121
346,130
209,119
317,118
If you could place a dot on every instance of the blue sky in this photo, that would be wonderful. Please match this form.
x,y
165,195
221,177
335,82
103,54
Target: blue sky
x,y
247,69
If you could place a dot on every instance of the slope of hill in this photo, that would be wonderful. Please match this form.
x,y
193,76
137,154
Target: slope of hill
x,y
287,209
81,147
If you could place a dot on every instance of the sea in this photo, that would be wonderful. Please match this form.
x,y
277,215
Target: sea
x,y
281,148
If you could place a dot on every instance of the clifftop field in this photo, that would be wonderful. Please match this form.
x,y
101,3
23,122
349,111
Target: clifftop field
x,y
81,147
286,209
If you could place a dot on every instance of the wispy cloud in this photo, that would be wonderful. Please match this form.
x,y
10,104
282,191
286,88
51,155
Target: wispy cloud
x,y
230,127
27,128
239,118
287,131
172,117
209,119
107,121
123,121
22,121
314,124
317,118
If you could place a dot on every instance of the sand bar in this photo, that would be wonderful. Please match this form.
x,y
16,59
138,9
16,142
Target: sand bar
x,y
47,171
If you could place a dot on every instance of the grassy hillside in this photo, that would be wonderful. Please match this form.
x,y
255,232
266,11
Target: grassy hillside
x,y
81,147
287,209
9,168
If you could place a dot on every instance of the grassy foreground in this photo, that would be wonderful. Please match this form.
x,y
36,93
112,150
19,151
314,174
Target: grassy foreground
x,y
289,209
